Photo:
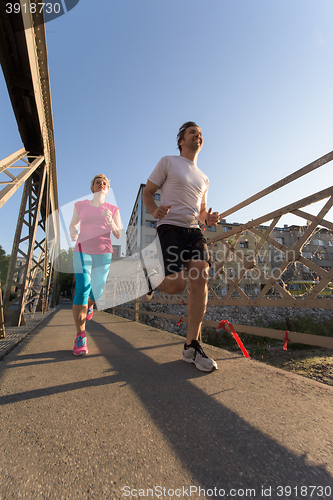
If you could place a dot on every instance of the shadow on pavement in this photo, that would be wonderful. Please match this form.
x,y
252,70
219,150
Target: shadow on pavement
x,y
216,445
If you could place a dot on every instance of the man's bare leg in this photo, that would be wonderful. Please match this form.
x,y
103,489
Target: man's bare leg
x,y
173,284
192,351
197,303
197,271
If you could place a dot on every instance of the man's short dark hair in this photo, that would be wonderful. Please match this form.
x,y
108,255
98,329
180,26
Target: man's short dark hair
x,y
182,131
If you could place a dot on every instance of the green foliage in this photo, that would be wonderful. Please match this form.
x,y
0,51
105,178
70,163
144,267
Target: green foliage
x,y
257,345
259,350
64,262
218,338
259,322
66,279
4,263
305,324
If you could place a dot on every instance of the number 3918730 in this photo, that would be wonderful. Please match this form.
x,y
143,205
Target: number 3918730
x,y
33,8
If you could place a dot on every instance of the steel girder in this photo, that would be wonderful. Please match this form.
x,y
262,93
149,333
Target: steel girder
x,y
23,58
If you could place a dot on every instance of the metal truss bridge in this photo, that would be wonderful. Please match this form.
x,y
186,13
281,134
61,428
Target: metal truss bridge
x,y
23,57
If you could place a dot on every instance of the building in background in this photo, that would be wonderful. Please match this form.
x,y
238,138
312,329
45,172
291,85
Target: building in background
x,y
116,254
141,230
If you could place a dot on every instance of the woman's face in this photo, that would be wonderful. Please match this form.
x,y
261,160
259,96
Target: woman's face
x,y
100,184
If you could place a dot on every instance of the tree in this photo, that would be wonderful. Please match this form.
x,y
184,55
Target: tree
x,y
64,267
4,263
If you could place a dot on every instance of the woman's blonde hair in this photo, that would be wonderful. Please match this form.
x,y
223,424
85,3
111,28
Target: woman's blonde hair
x,y
102,176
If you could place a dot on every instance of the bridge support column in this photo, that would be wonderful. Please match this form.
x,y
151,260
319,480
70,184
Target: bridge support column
x,y
32,217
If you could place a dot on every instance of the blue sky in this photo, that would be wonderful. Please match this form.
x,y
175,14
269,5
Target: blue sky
x,y
256,75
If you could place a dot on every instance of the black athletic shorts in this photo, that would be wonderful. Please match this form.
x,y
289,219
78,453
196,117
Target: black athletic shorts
x,y
179,245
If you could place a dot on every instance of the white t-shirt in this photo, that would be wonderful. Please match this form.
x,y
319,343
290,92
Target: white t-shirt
x,y
183,186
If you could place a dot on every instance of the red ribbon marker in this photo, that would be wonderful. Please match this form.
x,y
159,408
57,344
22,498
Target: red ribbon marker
x,y
286,340
180,321
234,334
183,302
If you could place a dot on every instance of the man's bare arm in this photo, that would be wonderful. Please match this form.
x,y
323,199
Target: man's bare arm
x,y
148,199
207,217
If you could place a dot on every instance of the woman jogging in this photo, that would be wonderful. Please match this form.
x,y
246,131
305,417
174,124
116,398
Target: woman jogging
x,y
92,253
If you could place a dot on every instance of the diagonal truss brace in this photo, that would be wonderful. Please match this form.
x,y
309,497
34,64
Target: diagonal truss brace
x,y
9,165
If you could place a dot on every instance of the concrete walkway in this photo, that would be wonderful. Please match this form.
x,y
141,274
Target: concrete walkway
x,y
15,334
131,420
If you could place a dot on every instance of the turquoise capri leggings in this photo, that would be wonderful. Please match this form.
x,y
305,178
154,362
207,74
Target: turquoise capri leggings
x,y
91,272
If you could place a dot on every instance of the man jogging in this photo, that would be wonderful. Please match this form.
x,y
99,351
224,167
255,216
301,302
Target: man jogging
x,y
184,193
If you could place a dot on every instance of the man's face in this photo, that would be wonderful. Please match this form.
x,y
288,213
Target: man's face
x,y
192,139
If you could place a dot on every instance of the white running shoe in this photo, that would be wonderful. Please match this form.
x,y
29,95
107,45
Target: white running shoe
x,y
195,354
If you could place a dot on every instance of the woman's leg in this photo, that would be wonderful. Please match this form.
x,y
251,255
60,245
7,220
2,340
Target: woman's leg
x,y
99,274
79,315
82,268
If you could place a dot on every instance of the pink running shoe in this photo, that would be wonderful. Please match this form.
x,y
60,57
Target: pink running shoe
x,y
90,313
80,346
